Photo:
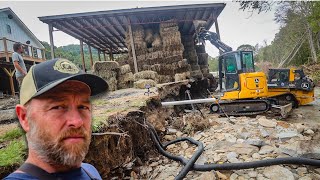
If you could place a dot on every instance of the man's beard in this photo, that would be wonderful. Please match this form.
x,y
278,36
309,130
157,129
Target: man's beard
x,y
53,149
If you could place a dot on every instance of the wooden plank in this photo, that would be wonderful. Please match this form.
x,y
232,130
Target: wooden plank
x,y
90,53
6,49
82,56
51,40
10,74
132,48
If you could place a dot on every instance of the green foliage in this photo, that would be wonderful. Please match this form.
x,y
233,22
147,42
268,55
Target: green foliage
x,y
13,153
213,64
260,6
12,134
246,47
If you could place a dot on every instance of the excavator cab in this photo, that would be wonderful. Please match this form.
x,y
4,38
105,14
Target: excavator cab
x,y
238,78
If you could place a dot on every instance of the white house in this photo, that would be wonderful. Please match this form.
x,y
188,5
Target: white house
x,y
13,30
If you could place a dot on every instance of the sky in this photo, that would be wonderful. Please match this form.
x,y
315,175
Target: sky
x,y
237,27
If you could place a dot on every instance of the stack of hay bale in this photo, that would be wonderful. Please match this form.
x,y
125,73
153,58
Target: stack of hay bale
x,y
143,78
125,77
108,70
140,45
203,60
191,55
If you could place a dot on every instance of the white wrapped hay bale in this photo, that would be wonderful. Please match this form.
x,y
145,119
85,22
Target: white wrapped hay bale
x,y
141,84
145,75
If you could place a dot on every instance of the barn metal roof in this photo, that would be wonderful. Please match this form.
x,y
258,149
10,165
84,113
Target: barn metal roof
x,y
105,30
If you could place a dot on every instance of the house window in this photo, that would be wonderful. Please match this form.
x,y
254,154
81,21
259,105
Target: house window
x,y
8,29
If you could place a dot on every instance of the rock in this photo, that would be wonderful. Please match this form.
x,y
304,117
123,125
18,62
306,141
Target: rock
x,y
202,160
197,137
301,171
278,173
309,132
230,138
234,160
300,127
264,132
233,176
255,142
244,149
305,178
184,145
266,149
169,137
232,155
216,157
253,174
221,176
308,149
317,170
153,164
172,131
244,135
267,123
287,134
256,156
207,176
189,152
179,134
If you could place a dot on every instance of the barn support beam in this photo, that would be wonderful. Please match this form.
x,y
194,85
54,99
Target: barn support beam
x,y
82,56
132,47
90,53
51,40
99,52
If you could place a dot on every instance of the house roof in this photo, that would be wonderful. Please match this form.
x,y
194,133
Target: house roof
x,y
105,30
27,30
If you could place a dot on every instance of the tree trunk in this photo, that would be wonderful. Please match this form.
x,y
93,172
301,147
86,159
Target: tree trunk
x,y
312,48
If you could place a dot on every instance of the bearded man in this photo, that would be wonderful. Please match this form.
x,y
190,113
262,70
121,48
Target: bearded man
x,y
55,112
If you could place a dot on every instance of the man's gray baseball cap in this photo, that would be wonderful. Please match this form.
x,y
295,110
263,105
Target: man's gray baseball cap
x,y
47,75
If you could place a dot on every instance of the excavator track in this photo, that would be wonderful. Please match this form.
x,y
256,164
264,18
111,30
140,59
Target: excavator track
x,y
241,107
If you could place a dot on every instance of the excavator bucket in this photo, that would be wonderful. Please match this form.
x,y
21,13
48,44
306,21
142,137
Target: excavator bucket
x,y
284,110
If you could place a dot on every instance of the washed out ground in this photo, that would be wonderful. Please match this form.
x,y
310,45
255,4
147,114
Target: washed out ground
x,y
238,139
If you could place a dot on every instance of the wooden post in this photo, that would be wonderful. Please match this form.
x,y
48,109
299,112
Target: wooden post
x,y
6,49
43,54
217,29
104,56
99,52
51,40
32,54
132,47
10,74
111,56
90,53
82,56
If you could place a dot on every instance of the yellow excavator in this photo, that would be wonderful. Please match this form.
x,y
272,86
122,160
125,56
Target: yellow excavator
x,y
243,91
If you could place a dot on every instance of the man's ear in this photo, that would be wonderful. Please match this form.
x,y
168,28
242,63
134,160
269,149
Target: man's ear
x,y
21,112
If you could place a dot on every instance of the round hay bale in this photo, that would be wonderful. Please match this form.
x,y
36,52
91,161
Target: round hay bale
x,y
141,84
145,75
124,69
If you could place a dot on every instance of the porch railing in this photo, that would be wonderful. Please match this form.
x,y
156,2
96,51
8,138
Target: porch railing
x,y
31,53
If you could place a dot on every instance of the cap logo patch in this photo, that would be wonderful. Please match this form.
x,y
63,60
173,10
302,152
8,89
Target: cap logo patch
x,y
65,66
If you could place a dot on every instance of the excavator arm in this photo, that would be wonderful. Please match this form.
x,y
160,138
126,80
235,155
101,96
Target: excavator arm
x,y
213,37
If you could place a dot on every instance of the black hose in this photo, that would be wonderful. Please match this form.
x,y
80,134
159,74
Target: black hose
x,y
190,164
